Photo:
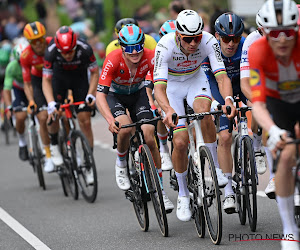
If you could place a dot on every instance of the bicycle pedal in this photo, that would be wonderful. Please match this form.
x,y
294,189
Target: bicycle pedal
x,y
169,211
129,195
230,210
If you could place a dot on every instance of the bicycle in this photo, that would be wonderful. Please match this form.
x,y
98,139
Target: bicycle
x,y
144,179
6,124
245,179
77,156
202,180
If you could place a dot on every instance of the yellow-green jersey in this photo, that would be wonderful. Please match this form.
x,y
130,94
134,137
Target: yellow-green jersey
x,y
150,43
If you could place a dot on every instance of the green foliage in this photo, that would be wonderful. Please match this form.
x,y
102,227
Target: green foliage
x,y
30,12
63,16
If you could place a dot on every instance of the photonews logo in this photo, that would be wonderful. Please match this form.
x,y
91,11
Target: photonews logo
x,y
259,237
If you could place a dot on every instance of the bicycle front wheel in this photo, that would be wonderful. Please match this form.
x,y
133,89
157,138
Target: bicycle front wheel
x,y
154,188
211,199
250,182
85,166
138,193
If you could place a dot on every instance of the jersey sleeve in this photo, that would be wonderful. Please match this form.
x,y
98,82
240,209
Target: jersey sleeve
x,y
48,61
9,77
25,61
257,76
92,62
161,58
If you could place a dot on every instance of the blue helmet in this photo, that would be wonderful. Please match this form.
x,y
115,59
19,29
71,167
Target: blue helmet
x,y
168,27
229,24
131,34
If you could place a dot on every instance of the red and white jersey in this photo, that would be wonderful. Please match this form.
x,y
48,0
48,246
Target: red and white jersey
x,y
268,77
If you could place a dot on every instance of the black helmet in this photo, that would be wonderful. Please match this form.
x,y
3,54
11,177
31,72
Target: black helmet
x,y
124,21
229,24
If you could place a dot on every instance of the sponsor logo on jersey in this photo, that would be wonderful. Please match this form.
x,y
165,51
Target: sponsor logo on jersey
x,y
254,77
47,64
122,71
145,67
186,63
288,85
256,93
25,53
244,60
178,58
244,52
209,39
106,69
38,66
162,46
216,48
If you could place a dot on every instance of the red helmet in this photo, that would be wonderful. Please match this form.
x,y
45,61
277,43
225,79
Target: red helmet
x,y
65,39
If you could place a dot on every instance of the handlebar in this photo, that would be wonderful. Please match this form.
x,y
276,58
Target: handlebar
x,y
174,117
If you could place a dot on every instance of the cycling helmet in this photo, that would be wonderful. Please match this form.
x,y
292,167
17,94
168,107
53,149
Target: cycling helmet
x,y
298,22
124,21
189,23
131,34
229,24
168,27
287,8
18,49
65,39
258,20
34,30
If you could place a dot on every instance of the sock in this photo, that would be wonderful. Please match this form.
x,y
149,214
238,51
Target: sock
x,y
22,140
163,146
270,162
213,149
47,151
228,188
257,142
286,211
182,184
53,139
121,159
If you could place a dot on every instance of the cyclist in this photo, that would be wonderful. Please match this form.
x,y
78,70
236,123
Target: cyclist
x,y
178,74
67,61
121,87
150,42
246,89
162,133
32,59
14,80
275,79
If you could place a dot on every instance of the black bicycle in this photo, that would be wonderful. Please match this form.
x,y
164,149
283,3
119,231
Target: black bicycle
x,y
79,164
144,179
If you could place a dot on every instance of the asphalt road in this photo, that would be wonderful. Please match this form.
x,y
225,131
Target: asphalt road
x,y
49,220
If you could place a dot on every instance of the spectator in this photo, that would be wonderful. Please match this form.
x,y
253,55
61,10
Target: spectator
x,y
12,29
175,7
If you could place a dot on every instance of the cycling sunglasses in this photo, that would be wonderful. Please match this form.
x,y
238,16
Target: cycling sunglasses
x,y
189,39
66,52
130,48
38,40
227,39
276,34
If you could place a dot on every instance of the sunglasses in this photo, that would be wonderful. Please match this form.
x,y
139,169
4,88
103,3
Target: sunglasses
x,y
276,34
227,39
189,39
130,48
36,41
67,52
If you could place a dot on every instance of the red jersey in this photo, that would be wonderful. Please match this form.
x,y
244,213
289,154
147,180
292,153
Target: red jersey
x,y
32,63
116,75
268,77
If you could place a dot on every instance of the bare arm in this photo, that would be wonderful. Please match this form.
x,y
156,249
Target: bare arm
x,y
47,89
28,91
94,82
150,97
245,87
262,115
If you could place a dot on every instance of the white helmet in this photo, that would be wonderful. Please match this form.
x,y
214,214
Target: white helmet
x,y
258,20
189,23
287,8
18,49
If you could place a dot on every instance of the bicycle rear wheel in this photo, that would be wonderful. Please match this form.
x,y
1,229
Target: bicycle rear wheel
x,y
211,200
197,210
6,127
239,188
250,182
85,166
37,157
154,188
137,193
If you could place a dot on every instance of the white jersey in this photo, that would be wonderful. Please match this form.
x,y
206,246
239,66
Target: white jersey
x,y
171,64
244,65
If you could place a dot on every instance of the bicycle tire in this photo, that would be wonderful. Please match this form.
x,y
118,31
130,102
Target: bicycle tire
x,y
37,158
6,127
240,198
139,199
211,199
154,188
88,191
250,181
197,211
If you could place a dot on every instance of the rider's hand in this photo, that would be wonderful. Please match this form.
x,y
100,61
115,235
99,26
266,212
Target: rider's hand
x,y
31,104
214,105
90,100
168,119
112,126
277,138
70,99
232,113
8,112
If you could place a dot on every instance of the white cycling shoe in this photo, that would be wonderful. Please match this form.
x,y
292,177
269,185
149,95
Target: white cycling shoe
x,y
289,245
183,211
49,166
222,179
229,204
270,189
166,162
89,177
122,178
261,167
168,204
56,155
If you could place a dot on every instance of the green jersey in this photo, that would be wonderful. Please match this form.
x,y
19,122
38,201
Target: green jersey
x,y
13,76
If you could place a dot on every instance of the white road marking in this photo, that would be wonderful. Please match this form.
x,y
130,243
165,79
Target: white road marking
x,y
22,231
104,146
